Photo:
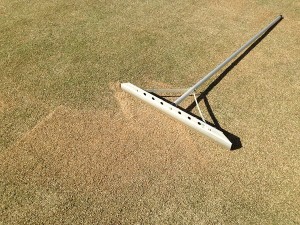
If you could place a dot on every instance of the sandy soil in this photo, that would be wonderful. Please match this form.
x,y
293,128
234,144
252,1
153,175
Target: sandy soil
x,y
103,152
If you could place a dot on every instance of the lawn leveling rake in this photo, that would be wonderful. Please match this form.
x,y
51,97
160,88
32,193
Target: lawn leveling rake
x,y
173,109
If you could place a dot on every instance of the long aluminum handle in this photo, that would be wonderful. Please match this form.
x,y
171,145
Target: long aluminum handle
x,y
211,73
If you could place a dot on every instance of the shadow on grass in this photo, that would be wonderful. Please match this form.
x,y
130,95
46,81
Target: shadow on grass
x,y
235,140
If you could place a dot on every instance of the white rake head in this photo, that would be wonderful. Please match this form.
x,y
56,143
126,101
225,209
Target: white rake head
x,y
174,111
178,114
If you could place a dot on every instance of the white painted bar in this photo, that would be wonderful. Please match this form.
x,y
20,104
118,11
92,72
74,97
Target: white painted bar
x,y
178,114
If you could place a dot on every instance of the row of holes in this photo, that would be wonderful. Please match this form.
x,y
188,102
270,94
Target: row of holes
x,y
163,103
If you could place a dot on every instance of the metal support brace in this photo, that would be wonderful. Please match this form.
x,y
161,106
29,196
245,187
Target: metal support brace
x,y
198,107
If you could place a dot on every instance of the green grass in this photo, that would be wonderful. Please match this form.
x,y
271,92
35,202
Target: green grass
x,y
69,52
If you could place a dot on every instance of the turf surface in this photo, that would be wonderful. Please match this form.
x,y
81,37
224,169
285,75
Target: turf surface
x,y
75,149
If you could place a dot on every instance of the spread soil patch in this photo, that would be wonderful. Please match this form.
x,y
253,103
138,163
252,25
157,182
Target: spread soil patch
x,y
135,164
117,156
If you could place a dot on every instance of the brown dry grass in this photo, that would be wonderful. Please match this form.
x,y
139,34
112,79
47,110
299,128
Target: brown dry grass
x,y
110,167
105,154
100,156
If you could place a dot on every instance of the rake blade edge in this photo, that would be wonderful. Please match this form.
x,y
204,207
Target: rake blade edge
x,y
178,114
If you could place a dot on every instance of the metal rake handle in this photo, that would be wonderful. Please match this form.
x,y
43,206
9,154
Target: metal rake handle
x,y
211,73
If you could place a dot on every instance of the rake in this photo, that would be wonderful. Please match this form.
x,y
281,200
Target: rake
x,y
174,110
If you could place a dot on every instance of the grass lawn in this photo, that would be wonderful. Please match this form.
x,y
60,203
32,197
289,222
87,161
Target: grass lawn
x,y
75,149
